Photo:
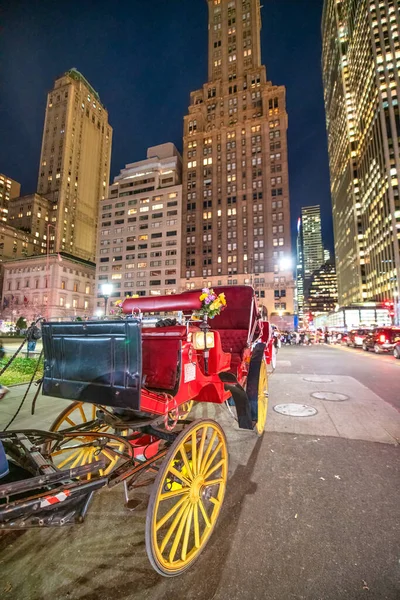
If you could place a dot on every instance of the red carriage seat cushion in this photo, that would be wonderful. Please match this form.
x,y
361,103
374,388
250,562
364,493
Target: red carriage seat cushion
x,y
161,348
235,342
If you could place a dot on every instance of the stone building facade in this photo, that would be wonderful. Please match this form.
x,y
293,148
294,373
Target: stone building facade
x,y
75,162
139,237
236,213
57,286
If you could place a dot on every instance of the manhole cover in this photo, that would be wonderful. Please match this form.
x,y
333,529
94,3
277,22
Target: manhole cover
x,y
318,379
331,396
295,410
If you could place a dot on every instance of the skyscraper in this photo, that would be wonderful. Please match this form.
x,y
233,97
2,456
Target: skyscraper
x,y
299,273
139,242
313,250
8,189
236,213
322,294
361,60
75,163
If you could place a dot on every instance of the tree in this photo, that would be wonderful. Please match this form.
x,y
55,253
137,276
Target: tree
x,y
21,323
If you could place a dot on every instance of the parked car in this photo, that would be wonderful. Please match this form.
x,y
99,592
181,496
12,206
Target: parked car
x,y
396,350
382,339
356,337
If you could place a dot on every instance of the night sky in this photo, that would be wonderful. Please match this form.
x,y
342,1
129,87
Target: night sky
x,y
144,57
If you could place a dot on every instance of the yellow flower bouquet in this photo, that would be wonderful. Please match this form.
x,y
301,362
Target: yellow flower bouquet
x,y
212,304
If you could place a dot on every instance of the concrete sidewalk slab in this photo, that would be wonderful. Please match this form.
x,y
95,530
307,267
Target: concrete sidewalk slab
x,y
46,411
364,416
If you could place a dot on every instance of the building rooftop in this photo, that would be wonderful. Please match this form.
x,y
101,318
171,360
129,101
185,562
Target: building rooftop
x,y
62,255
75,74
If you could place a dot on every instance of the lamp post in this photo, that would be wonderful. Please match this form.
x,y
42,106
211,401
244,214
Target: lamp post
x,y
106,291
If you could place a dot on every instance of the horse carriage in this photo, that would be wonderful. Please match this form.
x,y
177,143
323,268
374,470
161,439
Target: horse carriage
x,y
132,383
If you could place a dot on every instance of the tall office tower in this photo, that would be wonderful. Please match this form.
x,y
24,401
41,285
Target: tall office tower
x,y
361,60
75,163
299,274
9,189
139,238
236,212
313,250
323,293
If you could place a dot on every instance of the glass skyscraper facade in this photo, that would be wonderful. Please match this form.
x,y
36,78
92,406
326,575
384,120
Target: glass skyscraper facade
x,y
361,75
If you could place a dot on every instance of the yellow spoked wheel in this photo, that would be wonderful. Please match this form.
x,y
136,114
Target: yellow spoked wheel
x,y
186,498
183,411
262,402
83,450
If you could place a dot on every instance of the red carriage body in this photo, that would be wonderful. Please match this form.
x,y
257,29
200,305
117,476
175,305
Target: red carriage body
x,y
135,381
236,329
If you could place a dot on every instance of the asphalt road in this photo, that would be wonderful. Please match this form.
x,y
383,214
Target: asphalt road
x,y
379,372
306,517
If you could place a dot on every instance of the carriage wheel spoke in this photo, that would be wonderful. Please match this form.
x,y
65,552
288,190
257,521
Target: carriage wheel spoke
x,y
204,513
186,462
84,419
78,459
179,532
214,468
174,493
209,448
70,421
169,514
69,458
179,476
109,453
194,453
189,518
196,526
201,449
211,460
174,524
213,482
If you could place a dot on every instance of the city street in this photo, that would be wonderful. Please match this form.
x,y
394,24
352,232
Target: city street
x,y
311,510
380,372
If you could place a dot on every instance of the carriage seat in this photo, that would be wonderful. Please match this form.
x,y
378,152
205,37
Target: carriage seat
x,y
235,342
161,348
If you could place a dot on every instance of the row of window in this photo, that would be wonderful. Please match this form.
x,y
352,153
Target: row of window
x,y
152,282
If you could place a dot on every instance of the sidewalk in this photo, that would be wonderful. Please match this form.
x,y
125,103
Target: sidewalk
x,y
47,409
310,513
352,412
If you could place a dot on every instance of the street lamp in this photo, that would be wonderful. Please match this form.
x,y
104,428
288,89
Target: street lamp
x,y
285,264
106,291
